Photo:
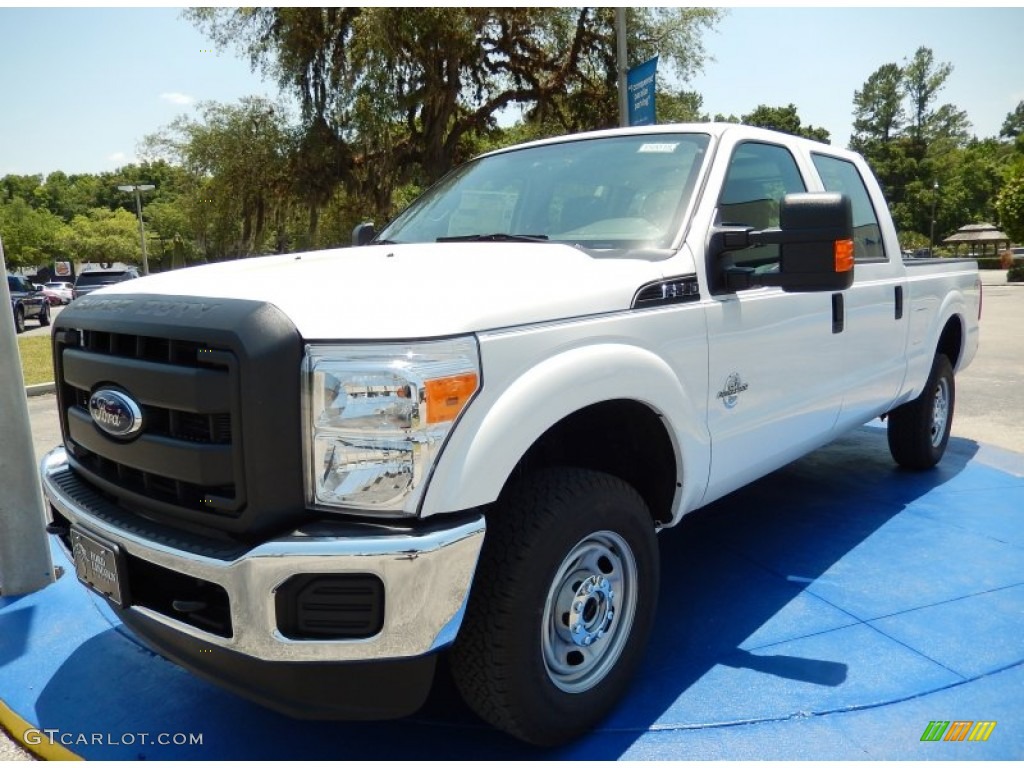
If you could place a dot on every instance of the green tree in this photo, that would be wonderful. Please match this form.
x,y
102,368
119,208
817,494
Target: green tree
x,y
14,187
1009,205
103,236
784,119
30,235
679,106
235,178
878,110
911,143
392,96
70,196
1013,125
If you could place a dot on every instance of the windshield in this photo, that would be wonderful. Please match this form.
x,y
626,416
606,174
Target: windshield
x,y
615,192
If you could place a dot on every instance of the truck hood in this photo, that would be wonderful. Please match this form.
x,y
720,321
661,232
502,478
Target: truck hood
x,y
415,290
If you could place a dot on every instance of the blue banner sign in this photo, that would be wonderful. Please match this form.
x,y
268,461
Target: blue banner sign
x,y
640,84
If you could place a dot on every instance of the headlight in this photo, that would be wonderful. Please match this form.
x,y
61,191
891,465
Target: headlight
x,y
376,417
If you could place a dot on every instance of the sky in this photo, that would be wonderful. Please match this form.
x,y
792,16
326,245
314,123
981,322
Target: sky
x,y
81,87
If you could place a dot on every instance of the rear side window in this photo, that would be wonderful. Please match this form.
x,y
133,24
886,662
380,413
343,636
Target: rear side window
x,y
842,176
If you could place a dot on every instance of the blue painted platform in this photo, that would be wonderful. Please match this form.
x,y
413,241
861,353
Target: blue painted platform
x,y
829,611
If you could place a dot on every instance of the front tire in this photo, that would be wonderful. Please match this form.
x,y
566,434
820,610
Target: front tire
x,y
44,315
919,430
19,320
562,605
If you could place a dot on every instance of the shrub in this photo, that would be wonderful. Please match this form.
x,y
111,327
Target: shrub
x,y
1016,273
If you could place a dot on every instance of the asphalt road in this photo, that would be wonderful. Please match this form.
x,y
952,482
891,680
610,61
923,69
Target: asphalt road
x,y
32,327
989,398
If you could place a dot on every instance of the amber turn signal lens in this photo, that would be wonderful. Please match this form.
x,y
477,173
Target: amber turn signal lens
x,y
844,255
446,397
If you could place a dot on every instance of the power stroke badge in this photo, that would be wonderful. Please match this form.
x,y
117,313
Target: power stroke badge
x,y
730,393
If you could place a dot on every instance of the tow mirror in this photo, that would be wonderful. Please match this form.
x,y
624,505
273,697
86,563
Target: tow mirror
x,y
815,239
363,233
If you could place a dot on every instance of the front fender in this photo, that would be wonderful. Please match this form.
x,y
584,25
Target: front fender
x,y
516,406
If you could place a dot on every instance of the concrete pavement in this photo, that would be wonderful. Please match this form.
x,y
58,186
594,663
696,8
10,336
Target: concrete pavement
x,y
989,398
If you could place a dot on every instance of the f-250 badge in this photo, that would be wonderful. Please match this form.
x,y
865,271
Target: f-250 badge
x,y
730,393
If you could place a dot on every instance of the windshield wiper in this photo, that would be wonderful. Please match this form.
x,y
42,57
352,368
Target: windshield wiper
x,y
496,237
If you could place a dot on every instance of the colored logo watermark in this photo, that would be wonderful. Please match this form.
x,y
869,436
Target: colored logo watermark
x,y
958,730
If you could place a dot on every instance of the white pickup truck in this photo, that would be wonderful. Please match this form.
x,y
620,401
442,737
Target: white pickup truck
x,y
306,476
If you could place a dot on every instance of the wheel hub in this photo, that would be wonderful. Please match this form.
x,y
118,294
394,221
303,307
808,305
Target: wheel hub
x,y
592,611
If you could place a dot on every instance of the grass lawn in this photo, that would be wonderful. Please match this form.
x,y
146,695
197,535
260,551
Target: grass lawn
x,y
36,359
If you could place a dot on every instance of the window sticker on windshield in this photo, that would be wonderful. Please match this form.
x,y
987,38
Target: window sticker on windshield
x,y
662,147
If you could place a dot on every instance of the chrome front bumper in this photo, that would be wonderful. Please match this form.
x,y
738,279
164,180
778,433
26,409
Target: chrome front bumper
x,y
426,574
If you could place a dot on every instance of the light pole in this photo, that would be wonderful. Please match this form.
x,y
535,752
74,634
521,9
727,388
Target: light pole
x,y
935,200
620,46
138,189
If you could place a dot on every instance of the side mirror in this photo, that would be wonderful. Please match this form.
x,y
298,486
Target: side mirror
x,y
815,239
363,233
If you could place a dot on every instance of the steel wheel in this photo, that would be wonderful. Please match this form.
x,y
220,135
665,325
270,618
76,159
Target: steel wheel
x,y
589,612
940,412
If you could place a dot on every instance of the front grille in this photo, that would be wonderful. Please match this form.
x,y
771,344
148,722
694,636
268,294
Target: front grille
x,y
185,391
217,386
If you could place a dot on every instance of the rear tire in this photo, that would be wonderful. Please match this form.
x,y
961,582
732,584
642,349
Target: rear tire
x,y
19,320
919,430
561,607
44,315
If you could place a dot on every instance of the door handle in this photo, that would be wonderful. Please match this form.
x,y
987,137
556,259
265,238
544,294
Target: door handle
x,y
838,313
899,302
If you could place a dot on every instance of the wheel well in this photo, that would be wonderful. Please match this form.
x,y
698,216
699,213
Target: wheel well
x,y
951,340
623,438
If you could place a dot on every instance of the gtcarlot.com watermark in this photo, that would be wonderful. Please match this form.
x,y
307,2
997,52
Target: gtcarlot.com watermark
x,y
35,737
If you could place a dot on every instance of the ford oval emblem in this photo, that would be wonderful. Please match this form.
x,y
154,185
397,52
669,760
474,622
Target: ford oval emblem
x,y
115,413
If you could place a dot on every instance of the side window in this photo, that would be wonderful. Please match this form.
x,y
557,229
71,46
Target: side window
x,y
842,176
759,176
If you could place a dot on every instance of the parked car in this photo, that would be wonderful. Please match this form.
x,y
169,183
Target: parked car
x,y
27,303
94,279
59,292
1018,253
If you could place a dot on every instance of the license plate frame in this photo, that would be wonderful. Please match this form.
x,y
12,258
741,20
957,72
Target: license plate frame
x,y
99,565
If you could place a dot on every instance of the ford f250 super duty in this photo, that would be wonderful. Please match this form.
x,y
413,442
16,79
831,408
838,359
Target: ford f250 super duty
x,y
557,351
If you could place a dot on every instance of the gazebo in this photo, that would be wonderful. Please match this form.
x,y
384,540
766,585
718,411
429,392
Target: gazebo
x,y
974,235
